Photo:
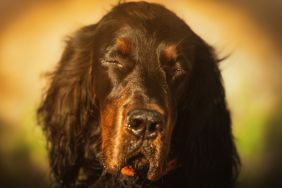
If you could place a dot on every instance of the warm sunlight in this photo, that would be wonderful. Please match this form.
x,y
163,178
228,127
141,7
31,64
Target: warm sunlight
x,y
32,39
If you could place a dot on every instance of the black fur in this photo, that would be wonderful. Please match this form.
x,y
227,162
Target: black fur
x,y
202,138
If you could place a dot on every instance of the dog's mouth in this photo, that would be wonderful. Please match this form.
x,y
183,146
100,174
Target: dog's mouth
x,y
137,165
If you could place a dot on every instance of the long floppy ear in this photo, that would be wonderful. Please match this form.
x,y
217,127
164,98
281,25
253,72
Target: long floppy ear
x,y
210,156
68,108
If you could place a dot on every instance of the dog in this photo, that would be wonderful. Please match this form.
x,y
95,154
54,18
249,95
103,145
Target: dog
x,y
137,101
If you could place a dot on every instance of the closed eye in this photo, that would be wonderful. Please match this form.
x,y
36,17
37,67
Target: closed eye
x,y
178,70
174,69
112,63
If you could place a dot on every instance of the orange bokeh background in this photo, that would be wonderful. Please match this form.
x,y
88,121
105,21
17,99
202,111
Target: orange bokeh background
x,y
32,38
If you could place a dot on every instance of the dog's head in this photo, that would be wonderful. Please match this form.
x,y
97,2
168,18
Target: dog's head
x,y
124,86
141,67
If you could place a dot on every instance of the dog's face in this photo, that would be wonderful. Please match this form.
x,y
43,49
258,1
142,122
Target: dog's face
x,y
140,73
133,94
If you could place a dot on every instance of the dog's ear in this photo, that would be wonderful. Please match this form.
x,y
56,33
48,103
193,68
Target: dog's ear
x,y
68,107
205,121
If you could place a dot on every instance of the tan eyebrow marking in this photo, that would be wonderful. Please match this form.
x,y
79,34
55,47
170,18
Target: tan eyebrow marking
x,y
170,52
123,45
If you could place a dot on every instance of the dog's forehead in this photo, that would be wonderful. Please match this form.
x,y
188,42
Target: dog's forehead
x,y
128,40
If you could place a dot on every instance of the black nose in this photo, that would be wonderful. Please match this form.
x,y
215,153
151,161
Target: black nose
x,y
144,122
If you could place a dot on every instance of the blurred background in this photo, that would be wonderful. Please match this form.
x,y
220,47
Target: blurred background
x,y
32,34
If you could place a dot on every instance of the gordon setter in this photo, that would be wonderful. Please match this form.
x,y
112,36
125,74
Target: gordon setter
x,y
137,101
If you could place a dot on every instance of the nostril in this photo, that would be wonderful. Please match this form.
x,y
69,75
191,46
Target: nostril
x,y
153,127
135,123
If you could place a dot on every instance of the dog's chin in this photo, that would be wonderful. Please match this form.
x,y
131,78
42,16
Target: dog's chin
x,y
138,166
142,167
